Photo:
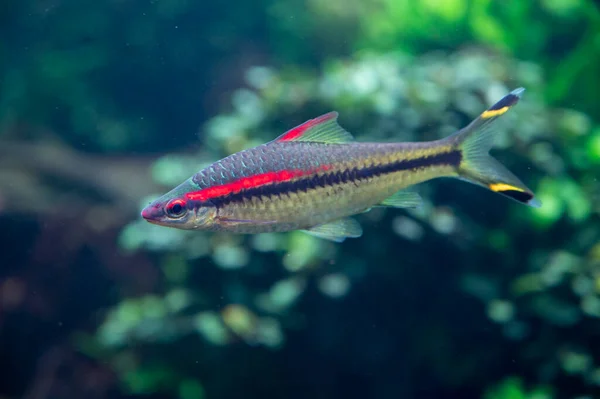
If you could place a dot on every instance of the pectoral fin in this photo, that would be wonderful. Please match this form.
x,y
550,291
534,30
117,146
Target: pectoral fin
x,y
337,230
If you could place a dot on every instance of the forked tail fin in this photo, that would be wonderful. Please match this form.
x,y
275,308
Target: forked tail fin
x,y
477,166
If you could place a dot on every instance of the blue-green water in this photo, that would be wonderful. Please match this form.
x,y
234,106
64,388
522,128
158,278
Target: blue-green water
x,y
106,105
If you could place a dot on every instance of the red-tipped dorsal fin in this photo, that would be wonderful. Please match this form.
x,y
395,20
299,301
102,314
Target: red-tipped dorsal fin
x,y
323,129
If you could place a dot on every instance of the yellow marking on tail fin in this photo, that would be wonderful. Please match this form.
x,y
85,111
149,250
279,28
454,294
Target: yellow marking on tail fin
x,y
494,112
497,187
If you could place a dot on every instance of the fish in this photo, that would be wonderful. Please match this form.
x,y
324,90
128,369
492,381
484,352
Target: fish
x,y
315,176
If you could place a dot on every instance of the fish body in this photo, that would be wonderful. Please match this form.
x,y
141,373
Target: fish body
x,y
315,175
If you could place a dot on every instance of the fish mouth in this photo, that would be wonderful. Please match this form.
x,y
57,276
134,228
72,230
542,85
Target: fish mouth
x,y
153,214
152,220
146,214
149,213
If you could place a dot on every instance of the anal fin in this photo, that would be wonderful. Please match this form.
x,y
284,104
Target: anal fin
x,y
402,199
337,231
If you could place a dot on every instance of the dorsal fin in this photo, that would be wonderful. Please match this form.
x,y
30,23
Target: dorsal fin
x,y
323,129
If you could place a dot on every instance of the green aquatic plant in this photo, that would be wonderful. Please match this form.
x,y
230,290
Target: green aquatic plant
x,y
512,388
526,30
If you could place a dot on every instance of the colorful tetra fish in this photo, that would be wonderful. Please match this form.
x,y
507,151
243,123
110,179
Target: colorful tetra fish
x,y
314,176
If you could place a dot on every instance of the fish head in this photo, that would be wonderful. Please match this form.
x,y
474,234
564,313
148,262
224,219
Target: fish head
x,y
180,212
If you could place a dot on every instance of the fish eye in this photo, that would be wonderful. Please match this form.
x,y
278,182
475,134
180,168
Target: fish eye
x,y
176,208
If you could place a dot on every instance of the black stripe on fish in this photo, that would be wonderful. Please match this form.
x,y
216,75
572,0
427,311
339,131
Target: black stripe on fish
x,y
452,158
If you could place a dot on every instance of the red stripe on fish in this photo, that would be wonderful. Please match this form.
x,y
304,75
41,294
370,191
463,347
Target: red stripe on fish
x,y
300,130
245,183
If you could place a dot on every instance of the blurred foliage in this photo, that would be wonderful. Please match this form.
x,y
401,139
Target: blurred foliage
x,y
529,30
512,388
140,76
105,75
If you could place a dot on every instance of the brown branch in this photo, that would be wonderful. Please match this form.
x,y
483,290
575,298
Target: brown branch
x,y
42,177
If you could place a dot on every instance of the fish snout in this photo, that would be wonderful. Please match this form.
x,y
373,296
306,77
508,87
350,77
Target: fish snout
x,y
153,212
